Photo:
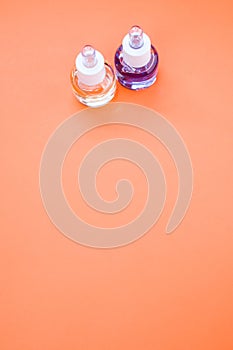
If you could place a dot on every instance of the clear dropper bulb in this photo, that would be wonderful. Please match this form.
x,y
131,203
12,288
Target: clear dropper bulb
x,y
89,56
136,37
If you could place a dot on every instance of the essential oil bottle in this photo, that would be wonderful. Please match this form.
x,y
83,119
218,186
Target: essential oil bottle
x,y
93,80
136,60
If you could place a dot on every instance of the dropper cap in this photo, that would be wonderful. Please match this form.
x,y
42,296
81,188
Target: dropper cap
x,y
90,66
136,48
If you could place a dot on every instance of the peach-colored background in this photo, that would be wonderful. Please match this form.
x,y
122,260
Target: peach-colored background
x,y
162,292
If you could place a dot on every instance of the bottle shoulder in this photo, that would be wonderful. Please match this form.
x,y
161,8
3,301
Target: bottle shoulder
x,y
100,88
122,66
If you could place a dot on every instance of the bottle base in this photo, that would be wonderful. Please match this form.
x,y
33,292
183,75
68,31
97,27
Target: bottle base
x,y
96,101
136,85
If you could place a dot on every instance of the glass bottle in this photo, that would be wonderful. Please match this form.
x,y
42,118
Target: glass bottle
x,y
93,80
136,60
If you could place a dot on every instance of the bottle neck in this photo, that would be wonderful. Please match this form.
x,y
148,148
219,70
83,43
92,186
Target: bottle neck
x,y
136,56
90,70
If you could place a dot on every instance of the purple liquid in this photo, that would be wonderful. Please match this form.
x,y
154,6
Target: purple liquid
x,y
136,78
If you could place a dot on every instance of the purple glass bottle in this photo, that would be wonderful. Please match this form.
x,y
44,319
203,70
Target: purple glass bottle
x,y
136,60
